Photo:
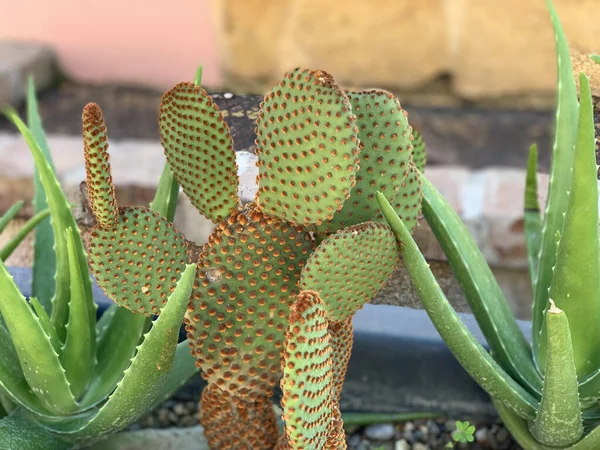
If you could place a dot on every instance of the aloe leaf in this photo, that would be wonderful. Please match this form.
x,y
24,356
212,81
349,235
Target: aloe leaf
x,y
46,324
149,370
558,421
13,384
198,77
165,198
44,262
532,215
483,294
10,214
184,367
104,321
61,219
467,350
38,360
517,427
559,185
11,245
116,346
595,58
18,432
576,280
79,351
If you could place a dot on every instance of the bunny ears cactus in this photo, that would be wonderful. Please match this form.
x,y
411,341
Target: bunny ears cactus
x,y
263,288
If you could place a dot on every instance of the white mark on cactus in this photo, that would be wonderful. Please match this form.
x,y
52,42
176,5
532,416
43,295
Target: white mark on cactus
x,y
213,275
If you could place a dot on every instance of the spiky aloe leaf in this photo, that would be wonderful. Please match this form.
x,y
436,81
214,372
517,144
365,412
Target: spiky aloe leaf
x,y
199,150
485,298
13,383
307,374
10,214
165,198
101,190
576,279
46,324
409,199
467,350
307,148
231,422
11,245
115,348
559,186
419,151
385,151
247,274
18,431
146,376
44,262
61,219
532,215
38,360
79,353
137,261
558,420
350,267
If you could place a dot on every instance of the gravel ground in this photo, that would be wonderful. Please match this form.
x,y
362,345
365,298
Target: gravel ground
x,y
426,434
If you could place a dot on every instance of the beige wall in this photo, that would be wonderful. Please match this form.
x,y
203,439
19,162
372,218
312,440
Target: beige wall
x,y
489,48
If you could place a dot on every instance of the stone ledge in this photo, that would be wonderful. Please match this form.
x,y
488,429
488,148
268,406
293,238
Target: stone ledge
x,y
18,61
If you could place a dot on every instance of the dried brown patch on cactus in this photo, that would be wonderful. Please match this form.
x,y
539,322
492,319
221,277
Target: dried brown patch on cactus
x,y
138,261
199,149
101,189
232,423
336,439
247,278
307,144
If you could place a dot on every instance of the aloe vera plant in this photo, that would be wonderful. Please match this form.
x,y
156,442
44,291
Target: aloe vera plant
x,y
66,379
547,393
280,278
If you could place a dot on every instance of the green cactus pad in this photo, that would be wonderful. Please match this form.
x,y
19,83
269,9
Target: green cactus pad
x,y
342,338
307,148
349,267
419,156
247,276
385,143
199,150
307,374
101,190
408,201
232,423
138,261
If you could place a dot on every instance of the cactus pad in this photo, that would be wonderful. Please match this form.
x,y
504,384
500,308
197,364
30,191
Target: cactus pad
x,y
307,374
101,190
419,151
247,274
349,267
408,201
138,261
385,143
341,344
199,150
307,148
231,423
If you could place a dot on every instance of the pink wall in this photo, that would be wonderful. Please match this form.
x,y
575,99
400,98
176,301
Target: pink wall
x,y
156,43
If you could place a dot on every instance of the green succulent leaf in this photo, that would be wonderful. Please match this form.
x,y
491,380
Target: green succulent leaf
x,y
46,324
559,186
307,374
419,151
10,214
44,263
349,267
307,148
79,352
18,431
199,150
11,245
575,284
116,346
467,350
485,298
408,201
532,215
595,58
558,421
38,360
61,219
165,198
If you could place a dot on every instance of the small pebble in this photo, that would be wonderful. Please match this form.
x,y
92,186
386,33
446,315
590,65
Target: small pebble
x,y
419,446
402,444
409,426
502,435
180,410
354,440
380,432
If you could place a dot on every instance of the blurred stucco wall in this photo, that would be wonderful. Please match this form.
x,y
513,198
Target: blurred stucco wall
x,y
482,48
